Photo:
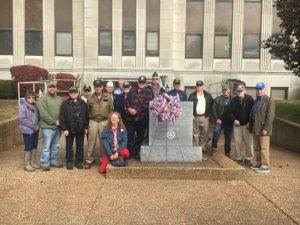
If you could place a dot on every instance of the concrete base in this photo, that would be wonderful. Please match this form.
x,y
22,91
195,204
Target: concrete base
x,y
159,153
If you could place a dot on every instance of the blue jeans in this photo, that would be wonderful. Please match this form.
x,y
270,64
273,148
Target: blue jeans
x,y
50,147
227,133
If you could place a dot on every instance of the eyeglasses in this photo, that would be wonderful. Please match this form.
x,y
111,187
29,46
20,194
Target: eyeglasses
x,y
30,97
154,78
87,90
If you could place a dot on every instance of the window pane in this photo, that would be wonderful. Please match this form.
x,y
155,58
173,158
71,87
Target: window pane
x,y
251,46
63,15
128,43
129,14
34,43
6,42
105,14
222,46
63,43
194,16
6,21
152,15
152,44
193,46
34,14
105,47
252,17
223,22
279,93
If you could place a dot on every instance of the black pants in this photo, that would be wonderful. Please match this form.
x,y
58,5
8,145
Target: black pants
x,y
140,128
79,138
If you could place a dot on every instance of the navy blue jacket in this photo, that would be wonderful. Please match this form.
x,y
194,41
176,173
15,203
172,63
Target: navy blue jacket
x,y
182,94
119,105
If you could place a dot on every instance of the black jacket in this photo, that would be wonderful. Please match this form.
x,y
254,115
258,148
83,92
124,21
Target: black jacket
x,y
240,109
119,105
74,117
208,99
221,109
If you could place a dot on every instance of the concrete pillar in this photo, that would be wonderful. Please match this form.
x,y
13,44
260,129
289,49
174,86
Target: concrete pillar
x,y
266,31
208,34
78,34
166,33
237,34
19,31
49,34
140,33
117,33
90,33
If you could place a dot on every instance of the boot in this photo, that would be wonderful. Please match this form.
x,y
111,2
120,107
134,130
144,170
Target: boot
x,y
27,165
33,158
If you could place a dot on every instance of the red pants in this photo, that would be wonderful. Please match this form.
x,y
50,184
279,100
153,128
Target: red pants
x,y
105,159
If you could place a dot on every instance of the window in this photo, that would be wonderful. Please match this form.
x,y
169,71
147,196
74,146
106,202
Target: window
x,y
129,27
223,29
6,27
152,27
252,27
105,27
194,29
63,28
279,93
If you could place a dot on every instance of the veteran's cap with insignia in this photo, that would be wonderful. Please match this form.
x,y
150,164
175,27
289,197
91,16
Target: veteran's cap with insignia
x,y
176,81
142,79
73,89
98,83
51,83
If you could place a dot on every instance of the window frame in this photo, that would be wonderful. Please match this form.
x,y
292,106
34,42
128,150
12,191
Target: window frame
x,y
63,31
257,34
158,44
124,31
99,41
285,89
230,43
12,41
201,45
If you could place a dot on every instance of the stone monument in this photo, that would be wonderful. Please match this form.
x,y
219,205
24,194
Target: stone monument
x,y
172,141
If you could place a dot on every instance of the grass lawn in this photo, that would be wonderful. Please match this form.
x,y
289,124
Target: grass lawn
x,y
289,110
8,108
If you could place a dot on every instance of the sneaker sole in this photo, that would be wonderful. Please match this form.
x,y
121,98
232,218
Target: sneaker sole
x,y
258,171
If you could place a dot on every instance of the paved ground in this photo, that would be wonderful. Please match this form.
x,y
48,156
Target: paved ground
x,y
85,197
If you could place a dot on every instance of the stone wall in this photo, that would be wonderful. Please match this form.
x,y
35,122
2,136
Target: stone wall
x,y
286,134
10,135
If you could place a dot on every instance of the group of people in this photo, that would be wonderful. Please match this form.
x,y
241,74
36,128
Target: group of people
x,y
119,119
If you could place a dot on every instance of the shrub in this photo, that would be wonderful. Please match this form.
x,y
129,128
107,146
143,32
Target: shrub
x,y
25,73
63,86
6,89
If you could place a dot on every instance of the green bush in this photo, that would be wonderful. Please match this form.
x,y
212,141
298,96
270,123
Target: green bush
x,y
6,89
289,110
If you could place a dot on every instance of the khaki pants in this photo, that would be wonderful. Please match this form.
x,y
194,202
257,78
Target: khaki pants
x,y
261,146
200,130
95,130
241,133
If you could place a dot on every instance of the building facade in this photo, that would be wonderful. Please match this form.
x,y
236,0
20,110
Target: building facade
x,y
209,40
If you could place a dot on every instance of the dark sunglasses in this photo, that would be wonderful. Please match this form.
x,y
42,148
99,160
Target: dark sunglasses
x,y
154,78
87,90
30,97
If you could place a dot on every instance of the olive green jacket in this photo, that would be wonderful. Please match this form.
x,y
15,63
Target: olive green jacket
x,y
264,117
99,109
49,107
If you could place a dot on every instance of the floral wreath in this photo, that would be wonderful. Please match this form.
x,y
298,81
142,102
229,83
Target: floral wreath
x,y
166,107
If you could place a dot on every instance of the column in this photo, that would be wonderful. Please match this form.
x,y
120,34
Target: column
x,y
48,34
78,34
208,34
237,34
117,33
90,33
19,31
140,33
266,32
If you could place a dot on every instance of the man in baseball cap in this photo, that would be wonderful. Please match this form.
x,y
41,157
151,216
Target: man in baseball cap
x,y
155,86
176,90
86,92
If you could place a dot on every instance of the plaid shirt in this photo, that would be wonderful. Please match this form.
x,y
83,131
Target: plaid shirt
x,y
139,100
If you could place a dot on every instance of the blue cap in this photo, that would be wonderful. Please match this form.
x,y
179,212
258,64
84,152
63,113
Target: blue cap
x,y
260,86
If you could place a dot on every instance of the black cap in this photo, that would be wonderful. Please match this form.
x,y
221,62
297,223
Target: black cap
x,y
154,75
199,83
126,84
142,79
98,83
87,87
176,81
73,89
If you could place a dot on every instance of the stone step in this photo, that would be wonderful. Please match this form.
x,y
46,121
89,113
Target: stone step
x,y
213,168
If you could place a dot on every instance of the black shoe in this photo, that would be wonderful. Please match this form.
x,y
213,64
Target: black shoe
x,y
45,168
248,163
79,165
69,166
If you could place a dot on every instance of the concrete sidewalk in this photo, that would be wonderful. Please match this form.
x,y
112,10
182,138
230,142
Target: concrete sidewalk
x,y
85,197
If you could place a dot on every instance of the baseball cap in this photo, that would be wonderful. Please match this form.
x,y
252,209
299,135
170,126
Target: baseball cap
x,y
260,86
126,84
87,87
109,84
51,83
240,87
142,79
73,89
199,83
176,81
225,86
98,83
